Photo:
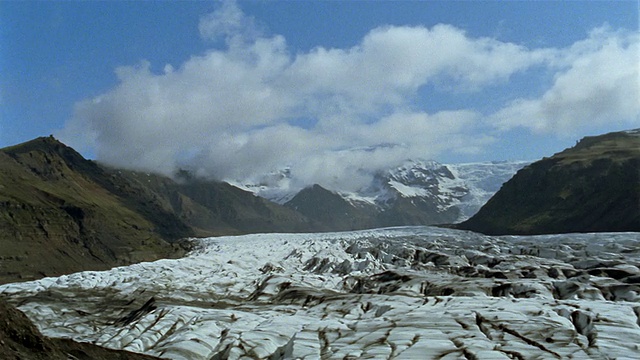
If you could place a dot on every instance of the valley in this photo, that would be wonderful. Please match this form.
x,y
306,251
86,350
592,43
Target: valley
x,y
545,263
303,180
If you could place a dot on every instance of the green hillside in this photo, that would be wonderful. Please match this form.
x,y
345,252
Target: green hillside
x,y
592,187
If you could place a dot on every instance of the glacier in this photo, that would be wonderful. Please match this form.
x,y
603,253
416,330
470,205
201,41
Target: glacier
x,y
395,293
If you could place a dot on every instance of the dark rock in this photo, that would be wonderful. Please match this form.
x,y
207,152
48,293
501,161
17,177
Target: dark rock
x,y
136,314
554,273
611,272
632,279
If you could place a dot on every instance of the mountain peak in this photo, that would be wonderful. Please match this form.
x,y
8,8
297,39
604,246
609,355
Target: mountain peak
x,y
39,142
47,144
44,155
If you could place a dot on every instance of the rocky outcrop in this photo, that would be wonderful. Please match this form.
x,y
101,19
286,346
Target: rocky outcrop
x,y
20,339
592,187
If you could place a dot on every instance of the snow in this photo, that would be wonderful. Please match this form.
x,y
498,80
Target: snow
x,y
467,186
482,181
407,191
398,293
276,186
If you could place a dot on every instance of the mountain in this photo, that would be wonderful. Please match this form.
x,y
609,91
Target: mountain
x,y
55,217
61,213
212,207
276,186
591,187
482,180
448,192
332,211
417,192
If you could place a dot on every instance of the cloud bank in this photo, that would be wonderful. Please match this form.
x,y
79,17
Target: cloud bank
x,y
597,83
336,115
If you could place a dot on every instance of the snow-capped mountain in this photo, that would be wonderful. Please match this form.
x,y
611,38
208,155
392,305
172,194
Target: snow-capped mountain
x,y
415,192
482,180
276,186
465,187
401,293
413,179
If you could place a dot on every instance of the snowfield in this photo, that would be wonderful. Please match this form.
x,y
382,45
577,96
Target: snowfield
x,y
399,293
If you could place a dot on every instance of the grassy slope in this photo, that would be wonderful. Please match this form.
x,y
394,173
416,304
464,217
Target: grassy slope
x,y
61,213
216,208
55,219
594,186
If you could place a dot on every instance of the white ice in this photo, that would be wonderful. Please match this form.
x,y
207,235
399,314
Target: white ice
x,y
401,293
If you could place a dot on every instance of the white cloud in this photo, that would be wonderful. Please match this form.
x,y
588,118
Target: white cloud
x,y
228,113
392,63
227,22
598,84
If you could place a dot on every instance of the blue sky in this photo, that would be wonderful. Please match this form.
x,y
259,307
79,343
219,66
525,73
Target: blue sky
x,y
333,89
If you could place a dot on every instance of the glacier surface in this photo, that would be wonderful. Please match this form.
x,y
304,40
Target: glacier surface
x,y
398,293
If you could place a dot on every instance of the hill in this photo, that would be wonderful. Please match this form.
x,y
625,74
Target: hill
x,y
591,187
57,217
210,208
330,211
61,213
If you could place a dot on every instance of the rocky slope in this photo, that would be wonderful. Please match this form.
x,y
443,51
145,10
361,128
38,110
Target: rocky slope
x,y
594,186
61,213
56,218
20,339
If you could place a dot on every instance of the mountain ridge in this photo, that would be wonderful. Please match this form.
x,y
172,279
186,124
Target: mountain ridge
x,y
591,187
417,192
62,213
55,218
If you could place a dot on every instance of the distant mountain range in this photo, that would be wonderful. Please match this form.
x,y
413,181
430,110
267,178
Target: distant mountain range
x,y
418,192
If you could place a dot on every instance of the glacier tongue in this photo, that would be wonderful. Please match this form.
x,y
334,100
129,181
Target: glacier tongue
x,y
482,180
399,293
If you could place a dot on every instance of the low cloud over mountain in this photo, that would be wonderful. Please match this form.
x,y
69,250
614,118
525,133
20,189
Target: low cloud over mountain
x,y
251,104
